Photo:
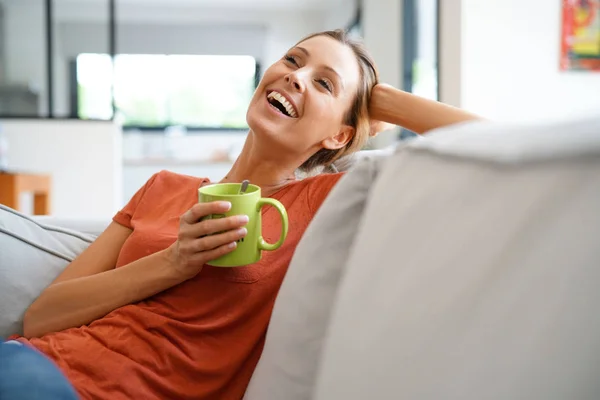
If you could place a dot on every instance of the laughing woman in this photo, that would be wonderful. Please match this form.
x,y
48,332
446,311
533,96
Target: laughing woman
x,y
138,315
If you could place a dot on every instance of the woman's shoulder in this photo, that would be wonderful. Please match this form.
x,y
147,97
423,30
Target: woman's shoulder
x,y
319,186
323,180
173,181
166,184
170,176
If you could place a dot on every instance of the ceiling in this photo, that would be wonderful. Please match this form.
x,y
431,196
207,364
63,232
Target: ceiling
x,y
221,4
190,11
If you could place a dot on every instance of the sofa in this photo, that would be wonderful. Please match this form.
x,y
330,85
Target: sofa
x,y
463,265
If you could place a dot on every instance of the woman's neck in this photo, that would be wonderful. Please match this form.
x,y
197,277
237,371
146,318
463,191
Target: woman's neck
x,y
260,168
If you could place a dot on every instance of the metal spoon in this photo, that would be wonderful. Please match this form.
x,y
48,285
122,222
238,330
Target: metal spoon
x,y
244,186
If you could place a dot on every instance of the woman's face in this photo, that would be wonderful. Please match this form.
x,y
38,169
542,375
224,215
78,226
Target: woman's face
x,y
301,101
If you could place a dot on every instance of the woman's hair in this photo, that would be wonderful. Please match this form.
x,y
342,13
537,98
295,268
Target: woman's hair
x,y
358,114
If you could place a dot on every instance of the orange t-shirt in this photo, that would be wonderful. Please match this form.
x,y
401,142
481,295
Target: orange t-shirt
x,y
200,339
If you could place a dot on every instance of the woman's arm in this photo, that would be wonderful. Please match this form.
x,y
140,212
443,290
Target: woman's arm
x,y
412,112
91,287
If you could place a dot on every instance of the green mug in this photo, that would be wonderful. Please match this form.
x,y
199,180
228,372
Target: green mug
x,y
249,249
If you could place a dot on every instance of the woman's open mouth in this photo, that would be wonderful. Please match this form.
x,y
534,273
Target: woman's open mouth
x,y
278,101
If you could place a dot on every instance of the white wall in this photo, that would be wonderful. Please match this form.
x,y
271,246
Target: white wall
x,y
382,26
450,52
340,14
286,30
83,158
209,155
509,62
175,38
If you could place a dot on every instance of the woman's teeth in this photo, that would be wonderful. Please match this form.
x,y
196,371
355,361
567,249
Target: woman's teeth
x,y
283,105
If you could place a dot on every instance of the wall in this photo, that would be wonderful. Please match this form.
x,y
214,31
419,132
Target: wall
x,y
209,155
450,52
286,30
382,24
509,61
340,14
84,159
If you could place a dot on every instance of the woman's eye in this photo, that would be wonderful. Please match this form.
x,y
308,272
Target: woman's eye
x,y
325,84
290,59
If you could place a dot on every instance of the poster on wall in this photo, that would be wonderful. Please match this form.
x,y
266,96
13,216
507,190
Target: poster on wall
x,y
580,47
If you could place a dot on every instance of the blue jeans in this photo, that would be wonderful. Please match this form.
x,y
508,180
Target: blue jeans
x,y
26,374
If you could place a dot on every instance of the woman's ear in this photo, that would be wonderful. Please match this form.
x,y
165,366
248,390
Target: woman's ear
x,y
340,140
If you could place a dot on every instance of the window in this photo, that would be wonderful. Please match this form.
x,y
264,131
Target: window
x,y
420,74
420,47
154,91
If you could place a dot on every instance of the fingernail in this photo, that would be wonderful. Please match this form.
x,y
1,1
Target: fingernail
x,y
232,245
243,218
225,204
242,231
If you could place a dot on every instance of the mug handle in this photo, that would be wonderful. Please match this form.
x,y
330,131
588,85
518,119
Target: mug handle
x,y
262,244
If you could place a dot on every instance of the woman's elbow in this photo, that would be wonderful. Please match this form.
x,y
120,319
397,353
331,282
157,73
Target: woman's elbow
x,y
28,330
31,319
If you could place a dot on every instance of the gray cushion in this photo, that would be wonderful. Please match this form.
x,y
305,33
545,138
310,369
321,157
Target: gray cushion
x,y
90,226
32,254
475,272
288,365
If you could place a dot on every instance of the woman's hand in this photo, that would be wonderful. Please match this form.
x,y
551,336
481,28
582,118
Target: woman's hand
x,y
200,241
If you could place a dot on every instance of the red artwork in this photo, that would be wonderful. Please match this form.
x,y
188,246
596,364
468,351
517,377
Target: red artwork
x,y
580,47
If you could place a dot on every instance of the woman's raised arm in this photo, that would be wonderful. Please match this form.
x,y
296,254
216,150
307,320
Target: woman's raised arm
x,y
412,112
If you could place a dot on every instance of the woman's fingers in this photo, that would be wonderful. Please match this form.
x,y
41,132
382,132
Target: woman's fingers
x,y
206,256
211,242
212,226
199,210
192,227
200,241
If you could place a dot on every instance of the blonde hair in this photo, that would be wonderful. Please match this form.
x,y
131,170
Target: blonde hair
x,y
358,115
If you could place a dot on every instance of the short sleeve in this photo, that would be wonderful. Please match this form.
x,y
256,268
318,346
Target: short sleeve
x,y
123,216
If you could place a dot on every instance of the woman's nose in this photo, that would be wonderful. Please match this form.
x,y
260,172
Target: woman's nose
x,y
295,82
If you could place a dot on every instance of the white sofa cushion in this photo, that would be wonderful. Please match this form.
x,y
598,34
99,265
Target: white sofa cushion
x,y
476,271
288,364
90,226
32,254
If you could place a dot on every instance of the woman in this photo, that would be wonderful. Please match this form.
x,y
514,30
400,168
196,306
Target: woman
x,y
139,314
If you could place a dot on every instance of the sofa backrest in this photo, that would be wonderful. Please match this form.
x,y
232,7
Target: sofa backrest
x,y
475,272
470,272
